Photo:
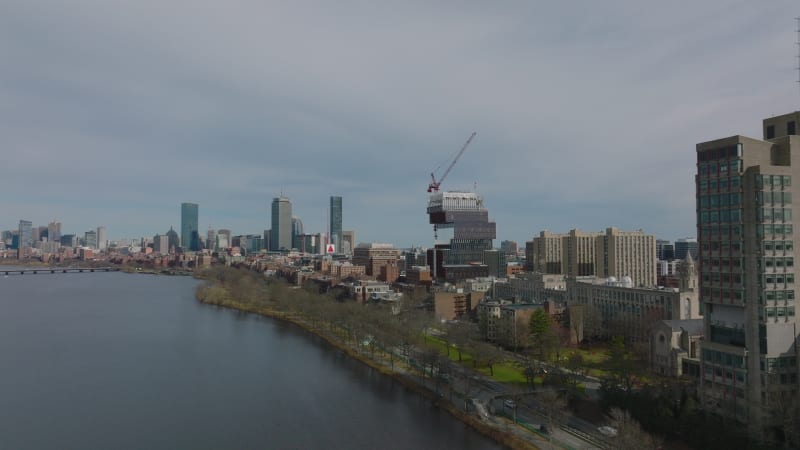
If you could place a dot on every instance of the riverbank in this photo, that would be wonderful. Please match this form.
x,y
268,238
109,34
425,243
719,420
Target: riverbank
x,y
502,432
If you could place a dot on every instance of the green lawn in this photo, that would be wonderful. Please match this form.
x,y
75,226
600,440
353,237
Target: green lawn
x,y
505,372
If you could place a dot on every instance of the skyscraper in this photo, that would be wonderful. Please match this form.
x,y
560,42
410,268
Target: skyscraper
x,y
190,237
335,226
90,239
297,233
101,238
54,231
281,233
745,229
25,238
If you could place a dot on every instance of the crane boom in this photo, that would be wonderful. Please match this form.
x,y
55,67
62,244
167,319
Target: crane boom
x,y
434,185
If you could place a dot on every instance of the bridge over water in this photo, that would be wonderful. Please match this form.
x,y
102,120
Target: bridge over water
x,y
54,270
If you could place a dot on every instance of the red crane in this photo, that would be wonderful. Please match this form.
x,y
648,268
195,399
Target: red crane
x,y
434,186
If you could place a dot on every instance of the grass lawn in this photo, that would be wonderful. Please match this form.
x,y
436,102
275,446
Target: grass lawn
x,y
505,372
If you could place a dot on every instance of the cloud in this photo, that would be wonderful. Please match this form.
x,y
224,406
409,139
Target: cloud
x,y
587,114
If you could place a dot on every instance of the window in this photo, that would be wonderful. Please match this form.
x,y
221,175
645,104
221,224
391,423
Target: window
x,y
770,131
790,128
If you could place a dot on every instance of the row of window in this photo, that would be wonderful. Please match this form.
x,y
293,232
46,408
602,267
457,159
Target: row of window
x,y
719,168
770,214
778,246
770,229
774,181
721,216
776,278
716,229
722,358
723,246
783,362
777,295
780,311
722,294
716,200
711,154
717,277
771,262
709,263
773,197
723,184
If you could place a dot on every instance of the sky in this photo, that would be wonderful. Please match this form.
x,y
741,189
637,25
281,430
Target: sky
x,y
587,113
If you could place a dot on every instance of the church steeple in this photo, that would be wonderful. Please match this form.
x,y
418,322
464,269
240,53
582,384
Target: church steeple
x,y
688,274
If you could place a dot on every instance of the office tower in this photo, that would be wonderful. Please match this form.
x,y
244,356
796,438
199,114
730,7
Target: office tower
x,y
224,238
173,241
102,241
161,244
90,239
509,248
25,236
745,189
348,242
281,234
211,239
190,237
685,246
69,240
297,233
665,250
335,226
463,257
544,253
54,231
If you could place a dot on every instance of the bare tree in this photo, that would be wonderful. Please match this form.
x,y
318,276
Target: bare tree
x,y
553,407
630,435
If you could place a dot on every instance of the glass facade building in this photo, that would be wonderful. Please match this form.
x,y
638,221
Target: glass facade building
x,y
190,234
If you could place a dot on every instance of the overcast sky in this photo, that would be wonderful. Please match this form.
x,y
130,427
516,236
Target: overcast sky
x,y
587,113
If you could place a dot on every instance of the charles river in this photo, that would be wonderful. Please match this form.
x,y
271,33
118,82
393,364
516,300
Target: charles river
x,y
115,361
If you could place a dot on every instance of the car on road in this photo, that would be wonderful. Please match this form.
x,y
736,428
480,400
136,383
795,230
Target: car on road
x,y
607,431
510,404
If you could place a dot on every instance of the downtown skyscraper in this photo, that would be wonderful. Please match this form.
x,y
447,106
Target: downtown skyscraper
x,y
281,233
190,235
335,225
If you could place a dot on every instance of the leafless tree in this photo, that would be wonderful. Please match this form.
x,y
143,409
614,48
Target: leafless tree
x,y
630,435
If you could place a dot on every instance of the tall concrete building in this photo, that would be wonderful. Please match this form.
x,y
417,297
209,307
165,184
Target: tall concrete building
x,y
298,230
90,239
190,232
25,237
348,241
54,231
281,233
102,239
335,226
604,254
745,189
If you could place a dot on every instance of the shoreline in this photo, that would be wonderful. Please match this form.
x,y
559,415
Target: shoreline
x,y
509,440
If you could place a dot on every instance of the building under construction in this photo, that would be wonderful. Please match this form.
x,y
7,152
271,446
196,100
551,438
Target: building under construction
x,y
469,253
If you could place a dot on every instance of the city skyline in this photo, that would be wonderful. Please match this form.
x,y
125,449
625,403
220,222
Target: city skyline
x,y
362,109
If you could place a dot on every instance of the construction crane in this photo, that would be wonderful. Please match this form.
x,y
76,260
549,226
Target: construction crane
x,y
434,186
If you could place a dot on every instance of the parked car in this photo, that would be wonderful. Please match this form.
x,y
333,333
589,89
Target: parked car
x,y
510,404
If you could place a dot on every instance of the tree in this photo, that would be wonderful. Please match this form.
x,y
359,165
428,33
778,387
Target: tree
x,y
552,406
460,334
630,435
541,331
620,363
487,354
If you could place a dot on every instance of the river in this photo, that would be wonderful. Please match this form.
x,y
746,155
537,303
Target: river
x,y
114,360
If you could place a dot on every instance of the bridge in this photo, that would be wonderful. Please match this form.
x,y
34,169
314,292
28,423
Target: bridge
x,y
54,270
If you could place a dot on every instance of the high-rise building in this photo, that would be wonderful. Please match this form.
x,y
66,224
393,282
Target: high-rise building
x,y
190,237
102,240
745,189
665,250
25,238
464,256
172,238
509,248
211,239
335,226
161,244
686,246
604,254
297,233
281,233
348,242
90,239
54,231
